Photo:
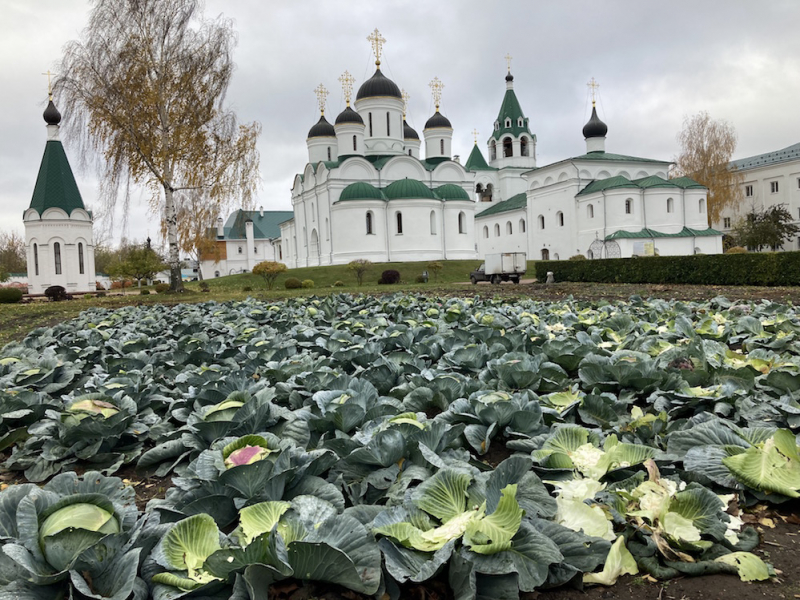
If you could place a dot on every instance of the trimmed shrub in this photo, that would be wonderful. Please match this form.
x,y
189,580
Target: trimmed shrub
x,y
577,257
422,279
768,269
144,292
292,283
736,250
247,288
389,277
55,293
308,283
338,284
162,287
204,287
87,296
10,295
100,295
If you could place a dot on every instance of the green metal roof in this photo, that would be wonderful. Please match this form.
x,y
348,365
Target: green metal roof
x,y
653,181
451,191
407,189
55,185
476,162
652,233
770,158
510,109
265,227
607,156
514,203
361,190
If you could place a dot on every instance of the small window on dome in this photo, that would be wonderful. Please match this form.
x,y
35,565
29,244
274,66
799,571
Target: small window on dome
x,y
441,147
497,125
508,122
519,122
355,147
388,125
329,153
370,124
409,151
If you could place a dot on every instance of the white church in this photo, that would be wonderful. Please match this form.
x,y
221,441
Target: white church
x,y
368,191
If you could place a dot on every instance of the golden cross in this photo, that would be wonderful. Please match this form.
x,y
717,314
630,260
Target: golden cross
x,y
377,41
406,97
475,134
436,90
321,93
593,85
347,82
508,60
49,86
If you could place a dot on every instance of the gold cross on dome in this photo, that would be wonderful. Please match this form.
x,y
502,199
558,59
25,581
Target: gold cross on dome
x,y
406,97
347,82
377,40
593,85
508,61
436,91
475,135
322,94
49,85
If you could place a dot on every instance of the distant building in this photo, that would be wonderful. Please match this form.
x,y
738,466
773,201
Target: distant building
x,y
246,239
58,228
769,179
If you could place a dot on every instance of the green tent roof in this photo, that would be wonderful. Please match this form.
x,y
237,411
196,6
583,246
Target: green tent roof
x,y
514,203
510,109
55,185
407,188
652,233
476,162
361,190
451,191
264,227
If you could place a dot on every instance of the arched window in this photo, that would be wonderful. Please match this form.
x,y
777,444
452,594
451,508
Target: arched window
x,y
487,193
629,206
370,124
702,205
497,125
57,257
545,254
478,189
519,122
329,152
508,228
590,211
369,222
462,222
355,147
560,218
493,151
589,254
670,205
409,151
388,125
508,148
522,225
433,222
485,231
508,122
36,258
441,147
240,250
255,249
555,256
541,221
399,217
216,273
523,146
497,230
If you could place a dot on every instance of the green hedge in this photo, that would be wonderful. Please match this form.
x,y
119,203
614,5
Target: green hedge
x,y
770,269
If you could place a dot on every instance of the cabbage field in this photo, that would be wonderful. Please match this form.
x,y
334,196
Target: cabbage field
x,y
377,443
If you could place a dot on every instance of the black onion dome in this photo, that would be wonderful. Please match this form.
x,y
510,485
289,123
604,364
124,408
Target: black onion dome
x,y
322,129
595,127
509,77
438,120
51,114
378,85
348,115
408,132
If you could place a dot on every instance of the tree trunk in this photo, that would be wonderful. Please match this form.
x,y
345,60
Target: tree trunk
x,y
173,258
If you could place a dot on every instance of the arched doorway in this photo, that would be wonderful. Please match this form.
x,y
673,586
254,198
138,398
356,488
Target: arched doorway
x,y
545,254
314,250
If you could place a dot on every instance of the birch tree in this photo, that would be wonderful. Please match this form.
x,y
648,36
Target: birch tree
x,y
143,93
707,146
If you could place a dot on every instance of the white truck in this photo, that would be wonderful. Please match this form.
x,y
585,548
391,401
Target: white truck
x,y
508,266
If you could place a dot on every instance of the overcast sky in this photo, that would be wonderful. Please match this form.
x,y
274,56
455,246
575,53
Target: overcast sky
x,y
656,62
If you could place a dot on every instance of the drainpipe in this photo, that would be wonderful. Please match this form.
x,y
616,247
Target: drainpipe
x,y
444,232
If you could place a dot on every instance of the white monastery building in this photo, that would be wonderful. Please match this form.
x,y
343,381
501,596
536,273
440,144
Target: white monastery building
x,y
768,180
368,192
58,228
